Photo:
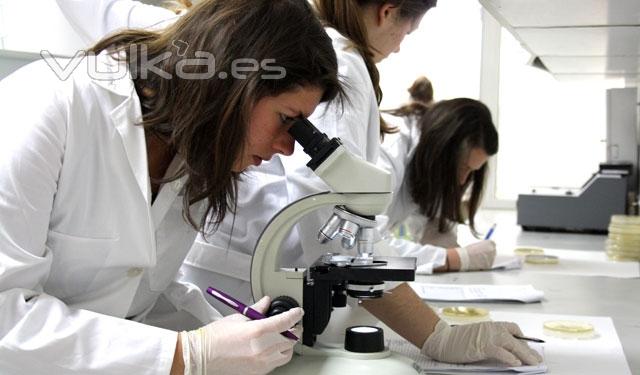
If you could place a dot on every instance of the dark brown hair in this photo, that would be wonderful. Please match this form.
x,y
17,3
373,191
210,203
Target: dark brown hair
x,y
421,92
206,119
449,130
346,17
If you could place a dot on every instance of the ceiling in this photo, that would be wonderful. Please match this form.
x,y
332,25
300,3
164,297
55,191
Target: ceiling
x,y
577,39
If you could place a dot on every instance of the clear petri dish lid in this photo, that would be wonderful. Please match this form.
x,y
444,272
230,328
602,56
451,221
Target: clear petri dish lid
x,y
624,230
541,259
627,248
623,240
465,312
527,250
626,220
569,329
622,256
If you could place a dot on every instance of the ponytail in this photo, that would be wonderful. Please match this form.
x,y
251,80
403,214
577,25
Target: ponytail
x,y
421,92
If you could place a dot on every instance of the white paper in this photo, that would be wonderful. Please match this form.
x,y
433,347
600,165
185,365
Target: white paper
x,y
477,292
426,365
507,262
600,355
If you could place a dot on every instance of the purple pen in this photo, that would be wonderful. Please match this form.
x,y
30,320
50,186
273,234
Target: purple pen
x,y
243,309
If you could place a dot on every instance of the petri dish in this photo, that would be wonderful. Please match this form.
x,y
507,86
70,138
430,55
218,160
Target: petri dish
x,y
622,256
625,220
541,259
570,329
464,314
527,250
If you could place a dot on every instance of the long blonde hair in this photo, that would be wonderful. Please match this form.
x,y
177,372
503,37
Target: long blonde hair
x,y
346,17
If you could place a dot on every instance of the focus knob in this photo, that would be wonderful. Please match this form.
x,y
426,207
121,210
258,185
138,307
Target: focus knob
x,y
281,304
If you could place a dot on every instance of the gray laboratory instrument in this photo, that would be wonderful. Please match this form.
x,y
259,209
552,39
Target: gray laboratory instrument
x,y
330,288
587,209
612,190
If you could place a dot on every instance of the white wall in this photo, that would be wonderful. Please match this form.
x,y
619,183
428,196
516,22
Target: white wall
x,y
445,48
34,25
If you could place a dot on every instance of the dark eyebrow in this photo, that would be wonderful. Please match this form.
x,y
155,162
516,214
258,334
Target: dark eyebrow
x,y
298,113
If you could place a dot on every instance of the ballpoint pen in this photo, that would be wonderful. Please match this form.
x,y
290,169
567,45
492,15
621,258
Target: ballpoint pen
x,y
532,339
243,309
525,338
490,232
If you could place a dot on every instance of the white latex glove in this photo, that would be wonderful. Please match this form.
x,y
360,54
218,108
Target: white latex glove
x,y
477,256
475,342
237,345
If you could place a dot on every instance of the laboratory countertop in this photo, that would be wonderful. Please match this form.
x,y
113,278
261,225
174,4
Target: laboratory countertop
x,y
566,294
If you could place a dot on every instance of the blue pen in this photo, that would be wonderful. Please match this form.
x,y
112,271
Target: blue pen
x,y
490,232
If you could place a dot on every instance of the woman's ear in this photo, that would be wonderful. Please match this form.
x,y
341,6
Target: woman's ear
x,y
386,13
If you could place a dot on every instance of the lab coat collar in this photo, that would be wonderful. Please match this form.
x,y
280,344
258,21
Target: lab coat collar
x,y
114,76
339,40
126,116
111,74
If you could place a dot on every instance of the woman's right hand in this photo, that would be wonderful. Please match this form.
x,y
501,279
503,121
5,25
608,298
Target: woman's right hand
x,y
237,345
475,342
477,256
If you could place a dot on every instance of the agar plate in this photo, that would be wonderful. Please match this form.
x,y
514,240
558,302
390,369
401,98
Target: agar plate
x,y
464,314
541,259
569,329
527,250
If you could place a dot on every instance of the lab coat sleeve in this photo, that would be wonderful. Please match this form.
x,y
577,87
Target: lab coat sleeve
x,y
39,333
94,19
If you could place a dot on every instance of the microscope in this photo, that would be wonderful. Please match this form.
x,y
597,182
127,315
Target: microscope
x,y
360,190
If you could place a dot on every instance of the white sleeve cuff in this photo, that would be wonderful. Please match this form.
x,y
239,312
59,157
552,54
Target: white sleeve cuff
x,y
464,258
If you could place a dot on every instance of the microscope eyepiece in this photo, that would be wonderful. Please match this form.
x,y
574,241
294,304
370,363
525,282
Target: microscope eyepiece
x,y
314,143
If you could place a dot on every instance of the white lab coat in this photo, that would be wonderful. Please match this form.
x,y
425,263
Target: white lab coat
x,y
81,247
223,259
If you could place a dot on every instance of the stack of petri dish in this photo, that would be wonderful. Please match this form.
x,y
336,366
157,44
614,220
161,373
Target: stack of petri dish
x,y
624,238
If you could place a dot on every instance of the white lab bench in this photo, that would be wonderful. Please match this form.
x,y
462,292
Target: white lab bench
x,y
566,294
618,298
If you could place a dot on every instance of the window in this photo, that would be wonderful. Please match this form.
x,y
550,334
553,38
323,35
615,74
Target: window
x,y
552,133
445,48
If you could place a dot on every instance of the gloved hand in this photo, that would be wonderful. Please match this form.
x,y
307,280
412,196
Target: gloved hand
x,y
474,342
477,256
237,345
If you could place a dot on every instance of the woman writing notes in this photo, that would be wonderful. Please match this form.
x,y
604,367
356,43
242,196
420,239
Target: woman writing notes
x,y
107,176
438,156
